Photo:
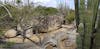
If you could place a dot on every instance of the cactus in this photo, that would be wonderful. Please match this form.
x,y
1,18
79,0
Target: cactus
x,y
77,12
83,18
96,6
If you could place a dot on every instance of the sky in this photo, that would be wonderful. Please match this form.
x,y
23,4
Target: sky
x,y
52,3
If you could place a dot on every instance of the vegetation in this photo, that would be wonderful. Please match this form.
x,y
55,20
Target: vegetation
x,y
86,14
7,45
88,18
69,14
27,12
26,16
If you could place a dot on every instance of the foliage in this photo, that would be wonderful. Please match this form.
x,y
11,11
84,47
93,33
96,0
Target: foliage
x,y
46,10
87,15
7,45
70,17
68,13
1,33
18,1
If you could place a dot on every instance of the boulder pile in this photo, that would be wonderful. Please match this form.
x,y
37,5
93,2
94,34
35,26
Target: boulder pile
x,y
47,31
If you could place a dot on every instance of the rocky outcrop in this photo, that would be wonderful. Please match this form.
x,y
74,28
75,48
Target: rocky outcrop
x,y
54,22
54,36
43,23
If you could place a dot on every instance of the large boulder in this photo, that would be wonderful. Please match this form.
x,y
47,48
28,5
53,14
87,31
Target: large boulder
x,y
10,33
43,23
49,23
54,22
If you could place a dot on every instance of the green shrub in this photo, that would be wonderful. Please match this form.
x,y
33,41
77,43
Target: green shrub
x,y
7,45
1,33
70,16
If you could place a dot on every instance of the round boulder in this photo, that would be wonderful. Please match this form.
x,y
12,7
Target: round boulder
x,y
10,33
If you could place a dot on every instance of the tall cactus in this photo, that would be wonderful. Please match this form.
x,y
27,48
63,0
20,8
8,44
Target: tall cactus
x,y
97,35
89,4
77,12
83,16
95,10
82,29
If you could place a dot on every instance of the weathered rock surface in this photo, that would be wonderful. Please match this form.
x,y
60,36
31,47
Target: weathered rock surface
x,y
47,23
18,39
33,38
10,33
63,38
29,33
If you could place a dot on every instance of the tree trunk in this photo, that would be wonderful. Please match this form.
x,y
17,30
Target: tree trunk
x,y
77,12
